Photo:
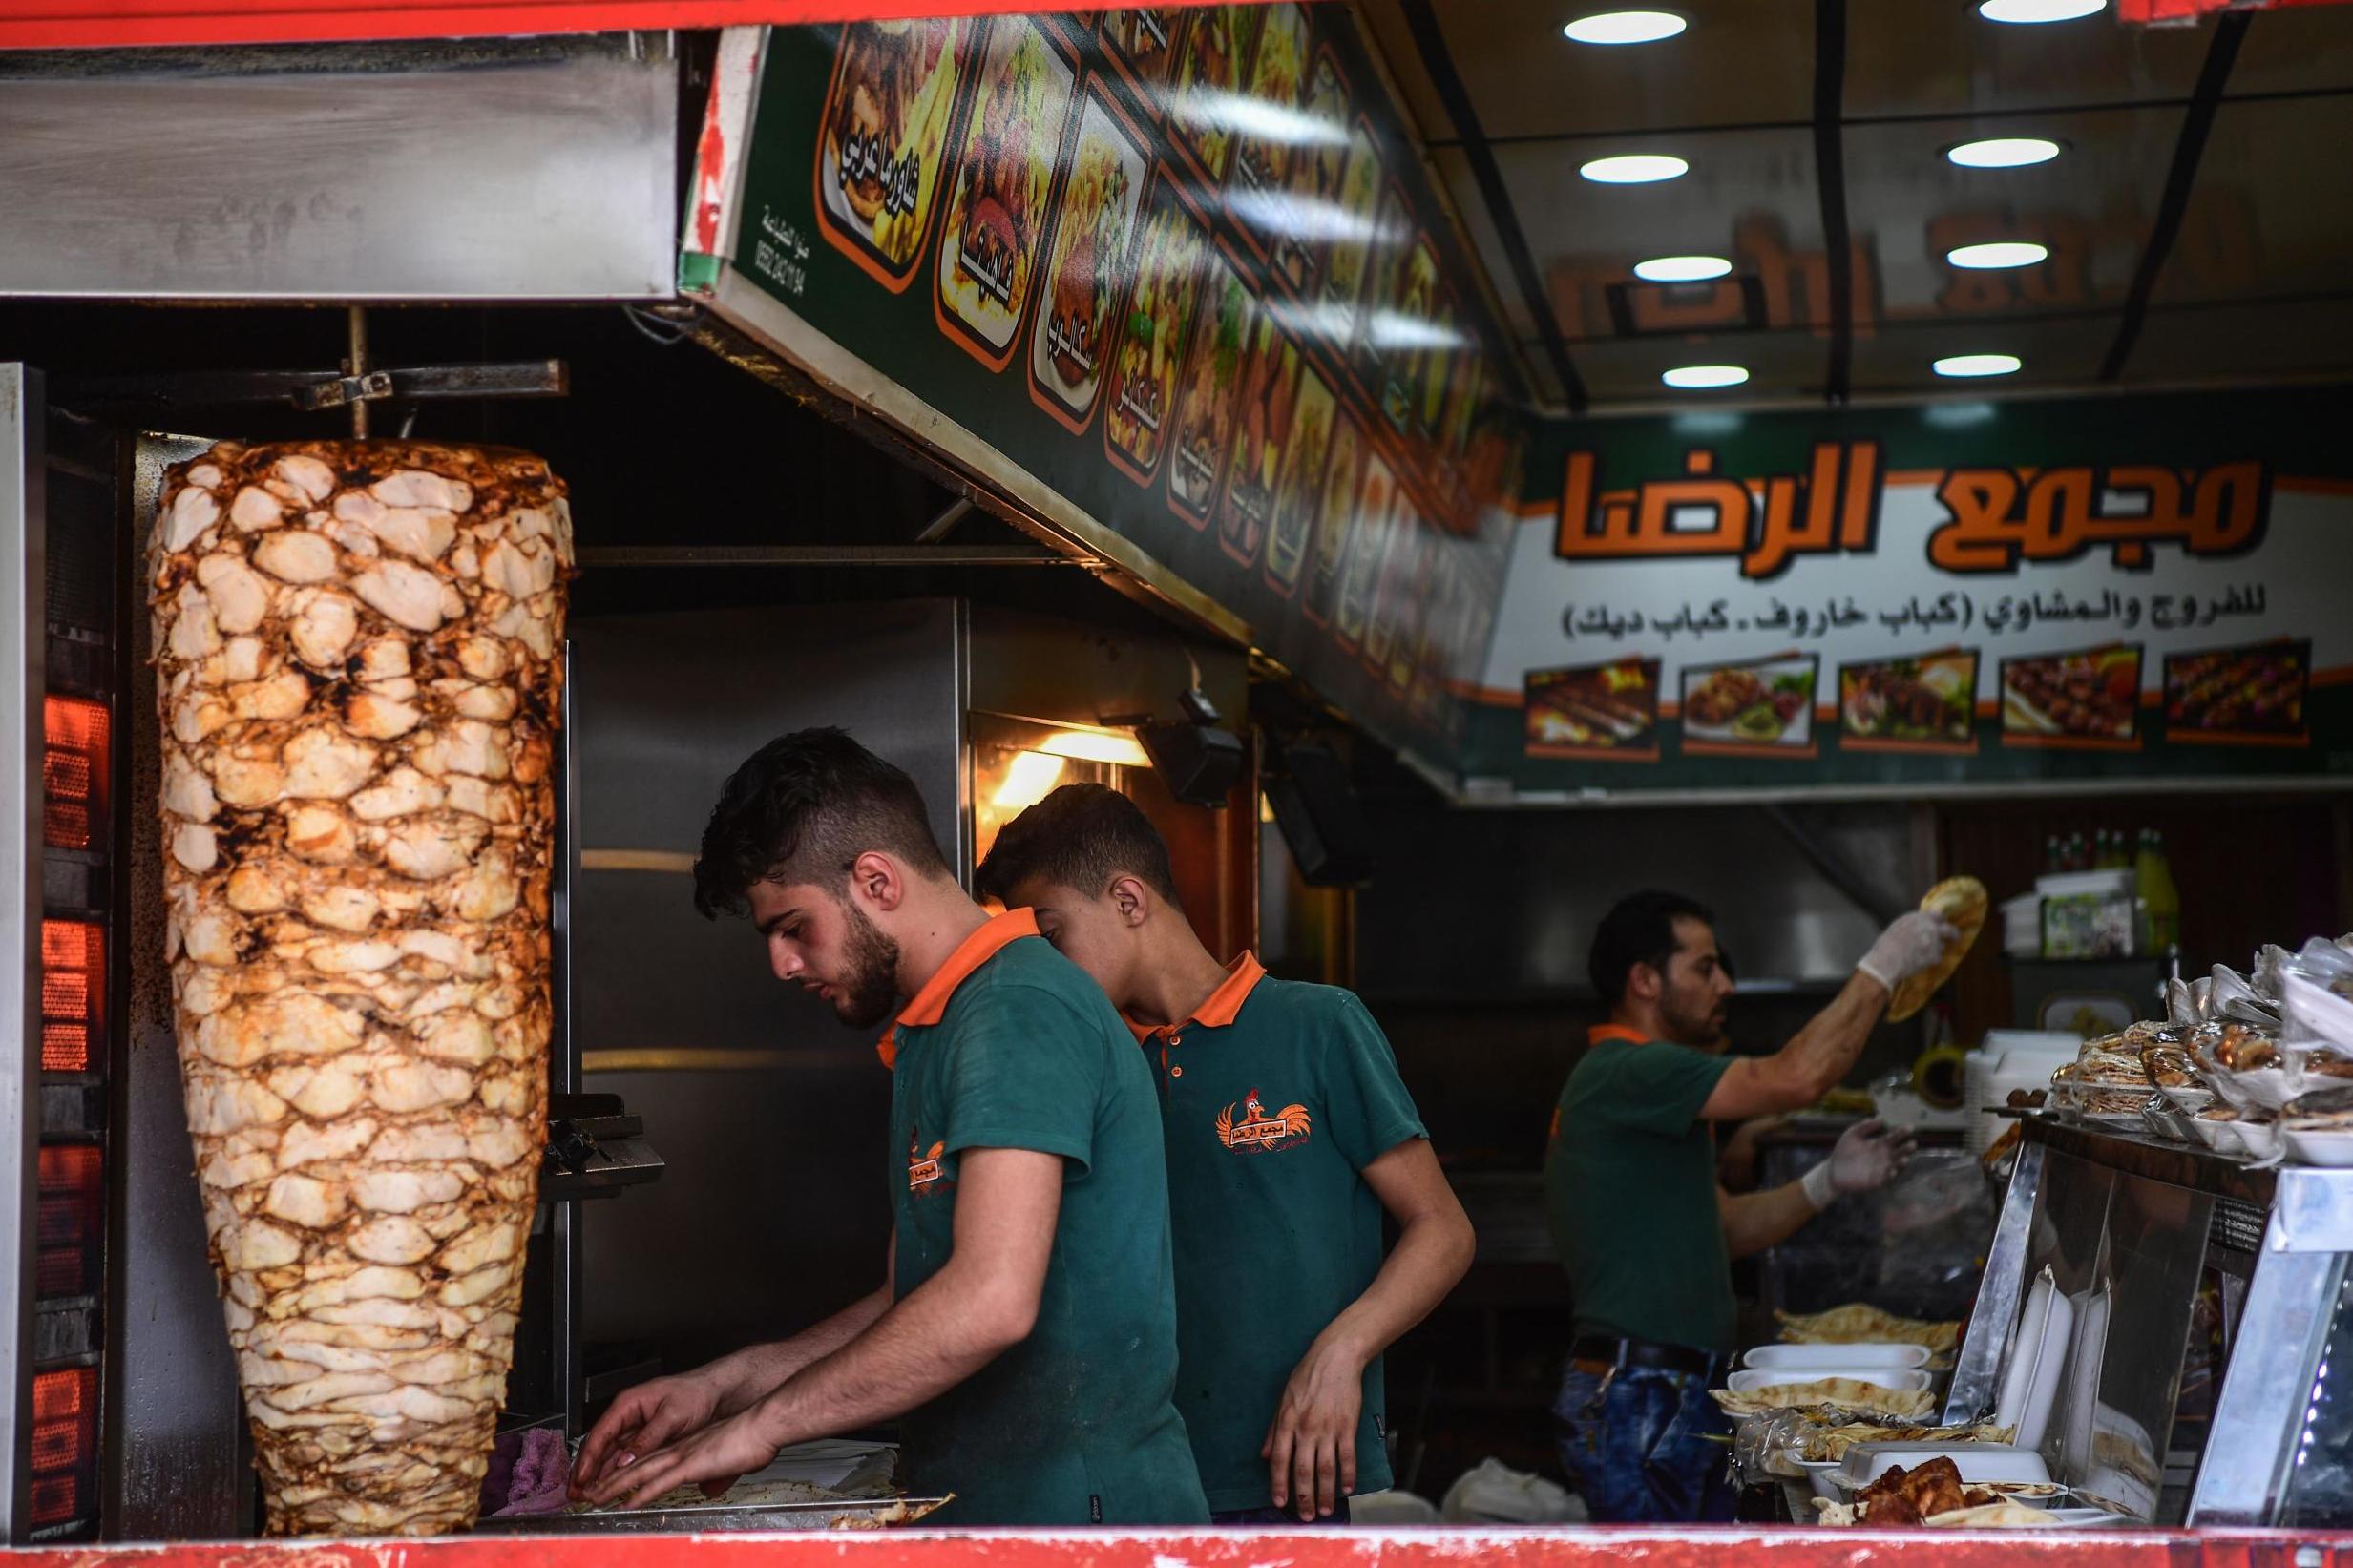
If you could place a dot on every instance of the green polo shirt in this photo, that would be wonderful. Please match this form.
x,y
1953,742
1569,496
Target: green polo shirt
x,y
1274,1097
1630,1187
1012,1047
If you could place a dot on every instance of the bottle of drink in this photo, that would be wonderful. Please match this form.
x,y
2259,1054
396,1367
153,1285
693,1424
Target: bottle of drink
x,y
2120,855
2078,858
2054,858
2158,897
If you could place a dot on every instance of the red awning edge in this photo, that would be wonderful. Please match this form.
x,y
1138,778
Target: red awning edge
x,y
127,24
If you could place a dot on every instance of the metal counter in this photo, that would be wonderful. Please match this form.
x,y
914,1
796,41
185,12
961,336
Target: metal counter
x,y
2205,1262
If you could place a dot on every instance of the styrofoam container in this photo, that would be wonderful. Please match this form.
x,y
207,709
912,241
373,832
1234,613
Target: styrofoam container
x,y
2114,883
1981,1464
2259,1138
1893,1358
2031,1380
1894,1382
2318,1148
2221,1137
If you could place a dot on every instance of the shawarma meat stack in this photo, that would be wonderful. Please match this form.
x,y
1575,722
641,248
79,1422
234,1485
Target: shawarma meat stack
x,y
357,663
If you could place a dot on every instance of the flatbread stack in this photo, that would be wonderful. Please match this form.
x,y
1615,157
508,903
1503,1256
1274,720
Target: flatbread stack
x,y
1845,1392
1961,900
1859,1322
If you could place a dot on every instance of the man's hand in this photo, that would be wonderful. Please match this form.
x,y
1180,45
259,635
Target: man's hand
x,y
714,1457
1867,1157
1913,943
642,1420
1311,1449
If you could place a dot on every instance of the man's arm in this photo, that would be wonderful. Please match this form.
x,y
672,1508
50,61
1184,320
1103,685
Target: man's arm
x,y
1867,1157
1311,1449
981,1303
754,1373
666,1408
1819,1054
1814,1061
1754,1220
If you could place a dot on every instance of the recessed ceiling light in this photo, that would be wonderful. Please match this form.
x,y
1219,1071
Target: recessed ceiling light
x,y
2007,253
1633,169
2039,10
1692,377
2003,152
1681,269
1625,27
1976,365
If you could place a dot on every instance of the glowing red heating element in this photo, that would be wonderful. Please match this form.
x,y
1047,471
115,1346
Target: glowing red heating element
x,y
74,772
72,994
65,1431
73,1207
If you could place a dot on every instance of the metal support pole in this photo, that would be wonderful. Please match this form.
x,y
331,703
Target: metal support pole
x,y
356,367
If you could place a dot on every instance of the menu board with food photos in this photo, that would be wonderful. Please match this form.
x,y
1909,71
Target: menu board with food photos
x,y
1989,594
1180,265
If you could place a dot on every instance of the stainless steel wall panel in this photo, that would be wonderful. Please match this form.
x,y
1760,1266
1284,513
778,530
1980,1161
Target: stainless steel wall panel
x,y
177,1466
532,169
770,1113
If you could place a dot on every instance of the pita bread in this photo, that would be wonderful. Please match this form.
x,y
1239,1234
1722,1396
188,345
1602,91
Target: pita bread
x,y
1847,1392
1963,901
2004,1515
1859,1322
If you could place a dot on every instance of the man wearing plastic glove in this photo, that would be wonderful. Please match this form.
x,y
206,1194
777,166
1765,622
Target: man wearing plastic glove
x,y
1645,1230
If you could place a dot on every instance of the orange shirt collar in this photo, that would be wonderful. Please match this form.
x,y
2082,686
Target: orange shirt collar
x,y
1615,1032
930,1003
1223,1005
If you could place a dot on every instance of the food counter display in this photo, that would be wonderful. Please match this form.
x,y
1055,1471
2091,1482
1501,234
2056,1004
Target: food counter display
x,y
2159,1337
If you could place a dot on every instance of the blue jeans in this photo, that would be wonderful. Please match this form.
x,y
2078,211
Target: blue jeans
x,y
1277,1518
1645,1447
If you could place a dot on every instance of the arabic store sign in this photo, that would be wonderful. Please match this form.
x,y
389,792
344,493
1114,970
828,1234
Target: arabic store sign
x,y
1179,267
1989,592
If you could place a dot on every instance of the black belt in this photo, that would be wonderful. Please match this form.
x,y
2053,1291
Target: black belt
x,y
1650,1355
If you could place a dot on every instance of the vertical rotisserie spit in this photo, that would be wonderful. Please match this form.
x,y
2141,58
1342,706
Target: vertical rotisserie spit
x,y
358,671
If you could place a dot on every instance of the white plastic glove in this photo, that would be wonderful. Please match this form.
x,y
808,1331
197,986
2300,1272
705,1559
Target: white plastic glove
x,y
1914,942
1867,1157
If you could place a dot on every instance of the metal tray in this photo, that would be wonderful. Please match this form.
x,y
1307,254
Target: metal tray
x,y
846,1514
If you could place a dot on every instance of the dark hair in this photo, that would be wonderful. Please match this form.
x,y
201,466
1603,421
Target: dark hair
x,y
1084,836
1639,929
803,808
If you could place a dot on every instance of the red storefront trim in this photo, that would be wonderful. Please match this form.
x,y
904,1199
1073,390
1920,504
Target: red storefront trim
x,y
1416,1548
110,24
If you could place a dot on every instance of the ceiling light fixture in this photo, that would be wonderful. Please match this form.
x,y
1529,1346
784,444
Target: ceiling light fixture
x,y
1697,377
1633,169
2039,10
2003,152
1625,27
1681,269
2006,253
1976,365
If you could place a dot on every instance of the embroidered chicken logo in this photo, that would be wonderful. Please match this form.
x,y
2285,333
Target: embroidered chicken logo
x,y
922,1169
1260,1129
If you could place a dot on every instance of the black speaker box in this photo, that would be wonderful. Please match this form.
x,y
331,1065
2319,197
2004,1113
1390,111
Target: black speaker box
x,y
1315,806
1198,762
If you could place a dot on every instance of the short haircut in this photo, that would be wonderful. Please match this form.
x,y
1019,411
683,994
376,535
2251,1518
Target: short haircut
x,y
1084,837
1639,929
802,809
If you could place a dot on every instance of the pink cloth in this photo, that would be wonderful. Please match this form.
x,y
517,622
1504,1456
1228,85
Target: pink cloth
x,y
536,1484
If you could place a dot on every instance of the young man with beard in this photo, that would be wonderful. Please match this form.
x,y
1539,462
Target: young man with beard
x,y
1641,1223
1025,1328
1289,1133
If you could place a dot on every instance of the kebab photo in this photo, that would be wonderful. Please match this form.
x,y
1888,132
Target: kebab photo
x,y
359,681
1088,268
886,133
999,209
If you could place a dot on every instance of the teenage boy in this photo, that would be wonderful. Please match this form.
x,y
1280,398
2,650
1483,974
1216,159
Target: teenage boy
x,y
1289,1132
